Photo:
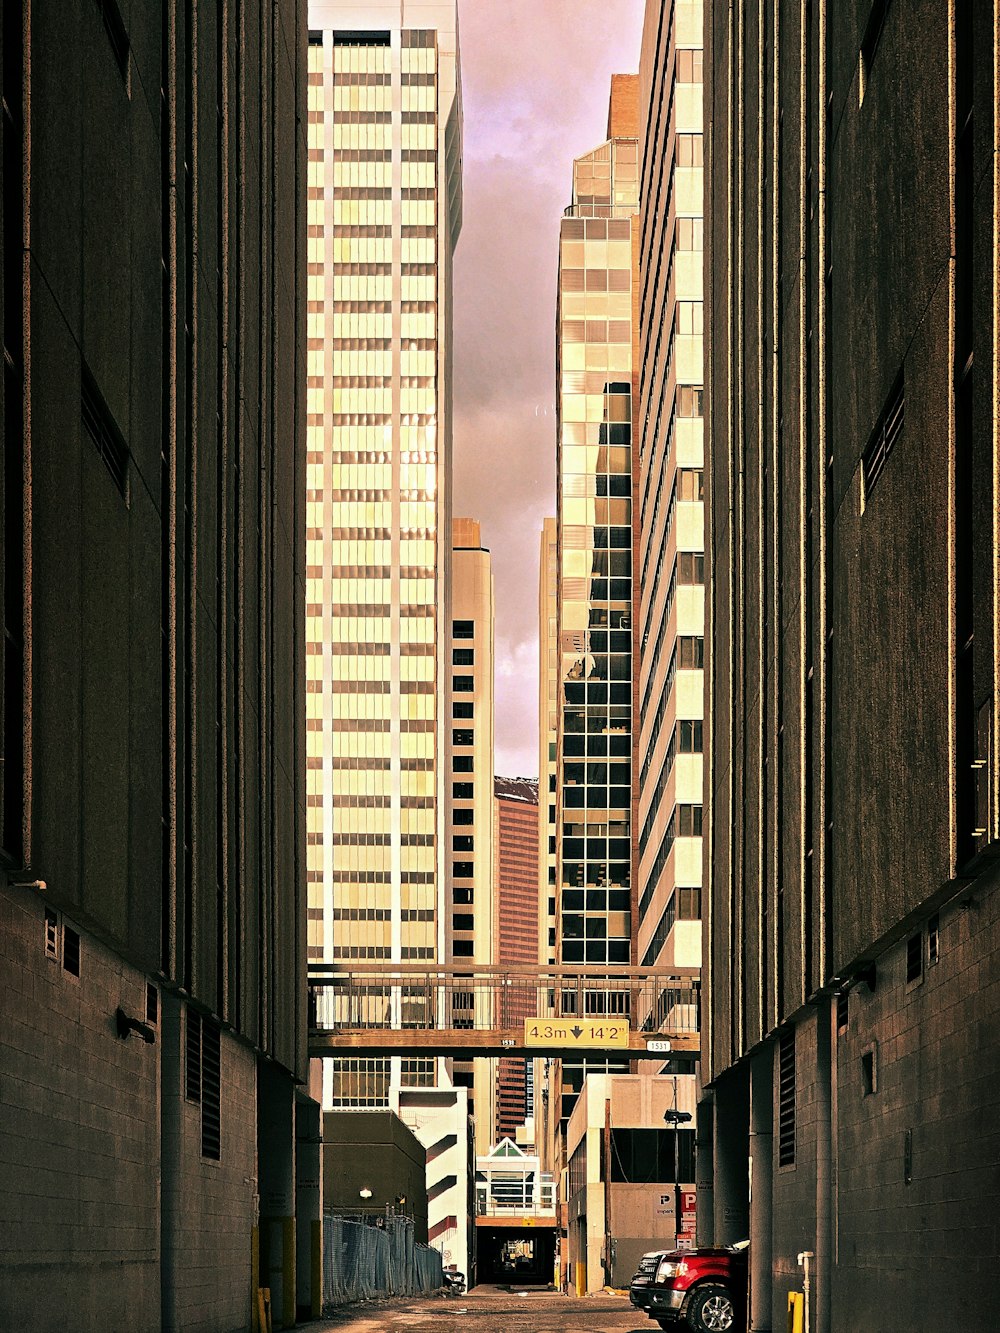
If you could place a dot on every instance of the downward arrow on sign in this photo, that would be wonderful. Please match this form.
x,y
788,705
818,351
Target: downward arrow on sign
x,y
577,1031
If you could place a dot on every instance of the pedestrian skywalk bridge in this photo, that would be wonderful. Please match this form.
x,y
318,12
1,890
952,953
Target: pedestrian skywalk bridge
x,y
380,1009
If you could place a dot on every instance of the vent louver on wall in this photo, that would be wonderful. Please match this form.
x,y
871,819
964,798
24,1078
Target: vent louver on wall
x,y
211,1096
786,1099
192,1057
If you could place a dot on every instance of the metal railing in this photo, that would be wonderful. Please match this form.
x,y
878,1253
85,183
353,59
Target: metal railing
x,y
367,997
534,1200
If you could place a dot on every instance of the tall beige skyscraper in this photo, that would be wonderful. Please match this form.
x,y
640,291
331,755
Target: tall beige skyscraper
x,y
671,542
384,201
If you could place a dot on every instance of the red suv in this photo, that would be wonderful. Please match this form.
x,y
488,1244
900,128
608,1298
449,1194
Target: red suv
x,y
704,1290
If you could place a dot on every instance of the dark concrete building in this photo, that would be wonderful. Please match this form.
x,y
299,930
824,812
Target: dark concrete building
x,y
850,1043
373,1163
152,922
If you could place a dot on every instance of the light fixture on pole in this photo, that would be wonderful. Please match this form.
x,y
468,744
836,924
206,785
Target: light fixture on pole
x,y
365,1192
676,1118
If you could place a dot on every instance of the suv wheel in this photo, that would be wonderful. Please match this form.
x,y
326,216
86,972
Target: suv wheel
x,y
711,1310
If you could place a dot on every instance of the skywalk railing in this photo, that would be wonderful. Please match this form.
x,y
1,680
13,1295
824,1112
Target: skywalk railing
x,y
502,1006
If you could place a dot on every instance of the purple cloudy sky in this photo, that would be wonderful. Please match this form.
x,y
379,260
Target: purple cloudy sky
x,y
535,76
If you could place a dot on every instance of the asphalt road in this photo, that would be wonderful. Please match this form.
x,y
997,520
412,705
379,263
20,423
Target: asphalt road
x,y
490,1310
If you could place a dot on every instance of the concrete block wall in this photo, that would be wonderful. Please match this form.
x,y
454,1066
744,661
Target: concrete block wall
x,y
209,1207
79,1136
923,1253
794,1186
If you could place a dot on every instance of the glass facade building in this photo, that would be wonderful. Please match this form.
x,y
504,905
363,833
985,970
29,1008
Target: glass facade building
x,y
384,211
594,333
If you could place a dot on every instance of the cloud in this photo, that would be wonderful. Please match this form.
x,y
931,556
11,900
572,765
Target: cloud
x,y
536,76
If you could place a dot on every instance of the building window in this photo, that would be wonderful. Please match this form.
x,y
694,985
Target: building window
x,y
62,943
646,1156
349,37
463,921
915,959
71,951
933,939
461,763
463,684
51,934
461,897
463,816
464,629
152,1003
462,791
462,869
462,736
869,1071
463,657
786,1099
462,709
462,842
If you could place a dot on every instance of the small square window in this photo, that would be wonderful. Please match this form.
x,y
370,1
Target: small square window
x,y
463,684
71,951
462,791
463,656
461,709
914,958
51,934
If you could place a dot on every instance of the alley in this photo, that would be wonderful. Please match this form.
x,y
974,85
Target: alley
x,y
492,1310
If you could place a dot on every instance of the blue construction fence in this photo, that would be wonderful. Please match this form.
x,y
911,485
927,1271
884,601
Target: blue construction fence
x,y
372,1257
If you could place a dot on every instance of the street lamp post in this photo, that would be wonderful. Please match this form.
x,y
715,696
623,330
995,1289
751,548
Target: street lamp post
x,y
676,1118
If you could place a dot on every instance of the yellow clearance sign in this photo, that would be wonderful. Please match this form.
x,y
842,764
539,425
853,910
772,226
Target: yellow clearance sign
x,y
592,1032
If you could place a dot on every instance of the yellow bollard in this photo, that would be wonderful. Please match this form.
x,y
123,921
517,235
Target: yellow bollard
x,y
796,1311
264,1309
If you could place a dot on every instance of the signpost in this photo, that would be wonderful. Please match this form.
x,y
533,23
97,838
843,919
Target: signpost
x,y
582,1032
